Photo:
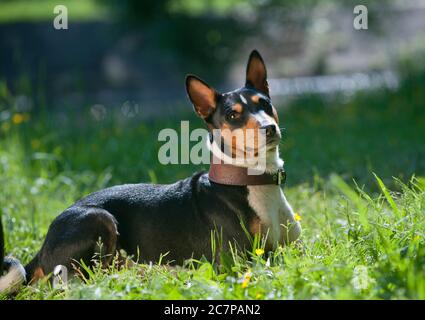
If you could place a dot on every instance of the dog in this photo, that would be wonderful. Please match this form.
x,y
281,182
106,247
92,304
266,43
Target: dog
x,y
153,219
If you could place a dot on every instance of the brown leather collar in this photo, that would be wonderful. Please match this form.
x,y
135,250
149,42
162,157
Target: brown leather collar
x,y
228,174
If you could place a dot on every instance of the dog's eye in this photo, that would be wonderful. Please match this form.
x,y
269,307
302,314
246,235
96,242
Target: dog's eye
x,y
232,115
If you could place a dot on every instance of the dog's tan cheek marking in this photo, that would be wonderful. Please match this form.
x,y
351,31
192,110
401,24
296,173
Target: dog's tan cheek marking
x,y
231,138
252,123
225,129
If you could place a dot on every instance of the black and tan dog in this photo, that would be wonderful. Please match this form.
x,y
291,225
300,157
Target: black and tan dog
x,y
178,218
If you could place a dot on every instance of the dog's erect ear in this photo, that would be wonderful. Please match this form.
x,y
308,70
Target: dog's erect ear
x,y
256,73
203,97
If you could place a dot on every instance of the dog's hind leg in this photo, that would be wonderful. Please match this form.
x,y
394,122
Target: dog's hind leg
x,y
79,233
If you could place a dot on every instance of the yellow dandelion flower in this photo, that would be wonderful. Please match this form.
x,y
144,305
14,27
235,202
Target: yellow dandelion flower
x,y
297,217
259,252
258,296
248,275
18,118
35,143
246,279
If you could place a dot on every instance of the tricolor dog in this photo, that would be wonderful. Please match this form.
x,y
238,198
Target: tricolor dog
x,y
154,219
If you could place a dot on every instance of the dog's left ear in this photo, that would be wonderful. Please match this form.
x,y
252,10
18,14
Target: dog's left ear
x,y
256,73
203,97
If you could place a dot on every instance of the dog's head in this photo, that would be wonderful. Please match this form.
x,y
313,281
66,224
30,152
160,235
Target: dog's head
x,y
237,111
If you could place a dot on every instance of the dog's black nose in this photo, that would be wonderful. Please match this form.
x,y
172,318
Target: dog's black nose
x,y
270,130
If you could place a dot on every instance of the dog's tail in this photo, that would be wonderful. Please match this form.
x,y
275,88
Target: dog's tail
x,y
12,273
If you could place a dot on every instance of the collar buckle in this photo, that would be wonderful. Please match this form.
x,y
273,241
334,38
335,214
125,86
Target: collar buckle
x,y
280,177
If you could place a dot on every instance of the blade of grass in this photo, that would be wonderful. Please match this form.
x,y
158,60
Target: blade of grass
x,y
342,186
388,196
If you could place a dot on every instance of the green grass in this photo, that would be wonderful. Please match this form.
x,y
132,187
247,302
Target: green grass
x,y
361,240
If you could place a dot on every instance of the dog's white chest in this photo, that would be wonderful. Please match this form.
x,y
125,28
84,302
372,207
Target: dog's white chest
x,y
274,212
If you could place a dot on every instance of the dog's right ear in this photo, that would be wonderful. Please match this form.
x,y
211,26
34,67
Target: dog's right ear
x,y
203,97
